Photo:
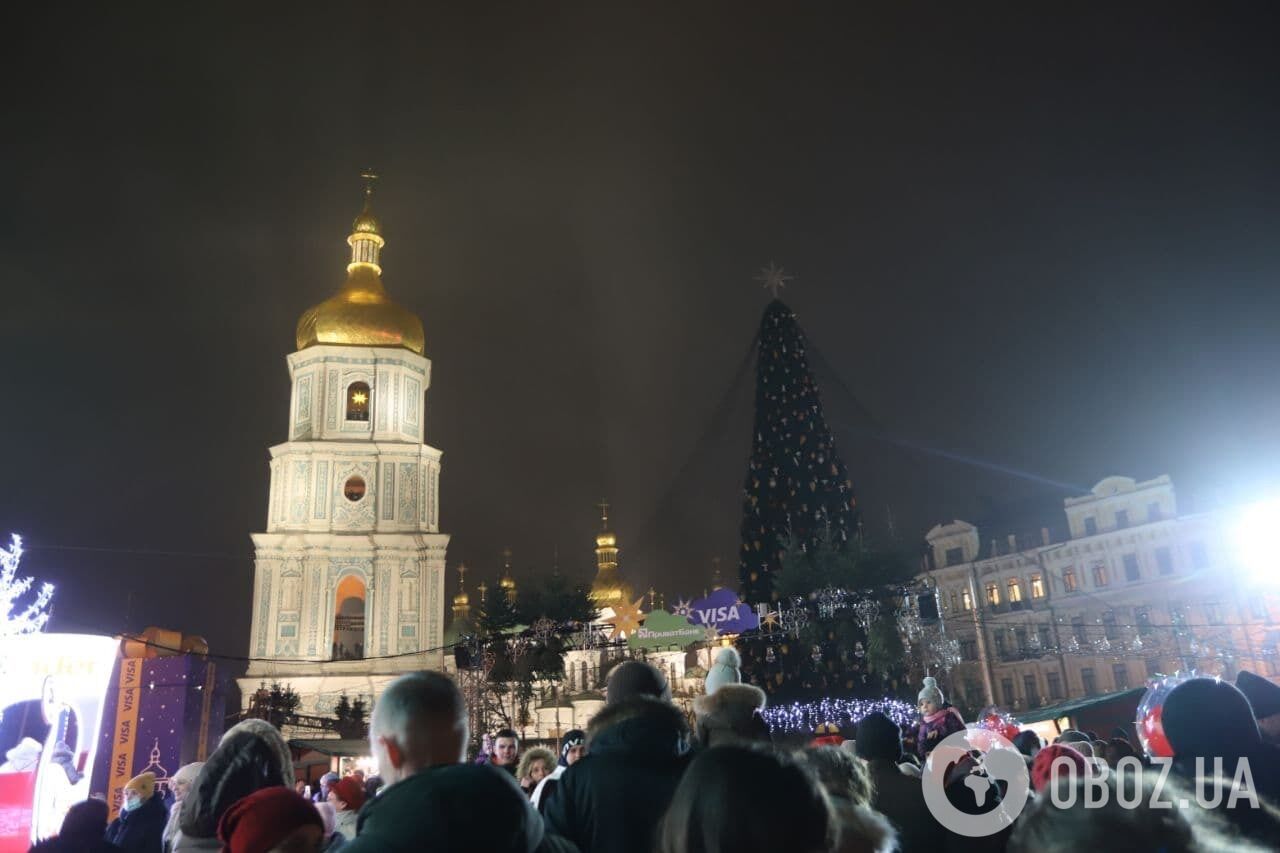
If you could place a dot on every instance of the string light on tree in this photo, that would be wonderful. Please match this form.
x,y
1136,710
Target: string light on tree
x,y
806,717
35,615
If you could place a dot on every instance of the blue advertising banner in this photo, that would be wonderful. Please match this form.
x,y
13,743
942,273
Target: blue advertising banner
x,y
724,611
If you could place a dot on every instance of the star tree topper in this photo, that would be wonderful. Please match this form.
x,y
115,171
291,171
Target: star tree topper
x,y
774,278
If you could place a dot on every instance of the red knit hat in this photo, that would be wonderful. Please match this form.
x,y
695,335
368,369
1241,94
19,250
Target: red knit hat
x,y
265,818
350,791
1042,769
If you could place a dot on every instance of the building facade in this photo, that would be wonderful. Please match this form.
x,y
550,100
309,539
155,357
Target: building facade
x,y
349,576
1134,590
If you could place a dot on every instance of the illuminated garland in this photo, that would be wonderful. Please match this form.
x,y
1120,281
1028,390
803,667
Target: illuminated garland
x,y
807,716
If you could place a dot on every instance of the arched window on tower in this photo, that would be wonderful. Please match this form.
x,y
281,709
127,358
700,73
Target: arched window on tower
x,y
348,619
358,401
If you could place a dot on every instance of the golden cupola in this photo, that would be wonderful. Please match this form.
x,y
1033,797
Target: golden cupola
x,y
361,313
607,590
507,582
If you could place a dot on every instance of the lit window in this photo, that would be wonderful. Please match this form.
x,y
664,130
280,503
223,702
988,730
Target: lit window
x,y
1015,590
353,489
1069,580
358,401
1100,576
1037,587
993,594
966,600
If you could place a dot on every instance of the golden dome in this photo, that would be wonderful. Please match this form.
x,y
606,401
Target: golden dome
x,y
361,313
461,599
606,540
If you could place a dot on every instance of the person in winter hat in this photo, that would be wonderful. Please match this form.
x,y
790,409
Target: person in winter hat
x,y
81,832
251,755
938,720
1264,698
271,819
896,795
727,669
140,825
633,678
1207,718
730,713
347,797
572,747
180,784
1052,762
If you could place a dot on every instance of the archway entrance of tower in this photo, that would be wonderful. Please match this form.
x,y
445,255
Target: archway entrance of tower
x,y
348,619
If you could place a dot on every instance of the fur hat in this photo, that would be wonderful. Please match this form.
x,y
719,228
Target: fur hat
x,y
930,692
144,785
726,670
1262,694
733,711
536,753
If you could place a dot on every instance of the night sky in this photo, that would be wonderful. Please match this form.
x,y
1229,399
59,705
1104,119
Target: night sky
x,y
1031,249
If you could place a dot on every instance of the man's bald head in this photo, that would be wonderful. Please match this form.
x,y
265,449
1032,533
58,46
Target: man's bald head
x,y
418,721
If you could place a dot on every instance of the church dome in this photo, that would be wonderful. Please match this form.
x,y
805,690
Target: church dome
x,y
462,599
361,313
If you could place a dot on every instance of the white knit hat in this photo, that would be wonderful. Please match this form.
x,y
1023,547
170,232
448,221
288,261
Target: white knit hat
x,y
930,693
724,670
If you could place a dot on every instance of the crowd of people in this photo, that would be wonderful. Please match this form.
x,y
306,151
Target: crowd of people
x,y
642,778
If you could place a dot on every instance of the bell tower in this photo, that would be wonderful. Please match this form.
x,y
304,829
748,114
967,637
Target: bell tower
x,y
349,576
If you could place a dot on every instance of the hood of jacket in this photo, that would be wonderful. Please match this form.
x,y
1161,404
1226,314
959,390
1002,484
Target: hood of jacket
x,y
251,755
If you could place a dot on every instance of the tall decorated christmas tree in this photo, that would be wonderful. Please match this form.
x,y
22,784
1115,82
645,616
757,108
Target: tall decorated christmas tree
x,y
797,489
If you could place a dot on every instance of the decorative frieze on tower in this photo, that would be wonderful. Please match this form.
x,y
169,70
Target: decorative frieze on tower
x,y
350,573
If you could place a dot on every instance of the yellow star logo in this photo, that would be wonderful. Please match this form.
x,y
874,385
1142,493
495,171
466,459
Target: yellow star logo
x,y
359,398
626,618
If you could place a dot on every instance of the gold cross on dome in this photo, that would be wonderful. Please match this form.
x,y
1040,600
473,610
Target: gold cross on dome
x,y
369,180
774,278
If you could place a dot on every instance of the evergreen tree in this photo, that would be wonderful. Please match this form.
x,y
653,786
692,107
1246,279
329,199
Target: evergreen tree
x,y
797,489
557,599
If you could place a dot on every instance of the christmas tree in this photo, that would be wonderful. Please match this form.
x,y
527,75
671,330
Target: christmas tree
x,y
797,489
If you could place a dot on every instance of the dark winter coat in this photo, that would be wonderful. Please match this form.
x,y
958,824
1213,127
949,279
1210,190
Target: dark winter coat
x,y
900,798
140,830
456,807
613,798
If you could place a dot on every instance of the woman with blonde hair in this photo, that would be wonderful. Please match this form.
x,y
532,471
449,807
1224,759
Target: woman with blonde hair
x,y
535,764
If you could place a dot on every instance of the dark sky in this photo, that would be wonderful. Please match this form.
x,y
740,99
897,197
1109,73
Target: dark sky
x,y
1045,243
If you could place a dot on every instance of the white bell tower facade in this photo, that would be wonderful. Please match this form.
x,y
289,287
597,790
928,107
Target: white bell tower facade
x,y
349,577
